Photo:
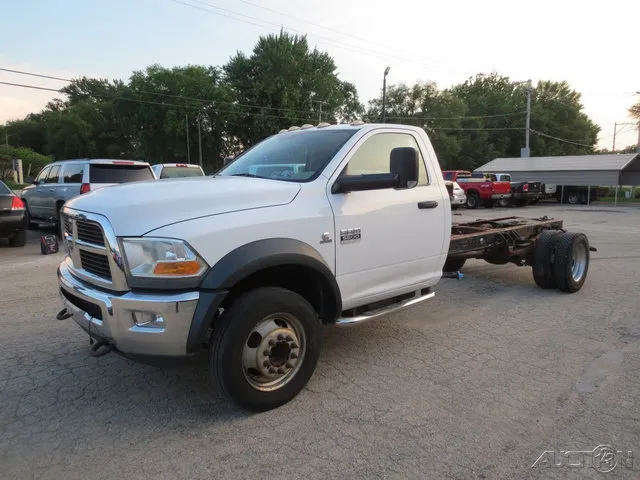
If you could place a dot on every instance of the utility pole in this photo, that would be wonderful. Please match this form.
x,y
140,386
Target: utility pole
x,y
199,141
615,130
320,103
186,117
528,126
384,95
638,145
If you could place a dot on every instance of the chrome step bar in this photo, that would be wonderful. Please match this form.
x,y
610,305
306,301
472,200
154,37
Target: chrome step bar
x,y
346,321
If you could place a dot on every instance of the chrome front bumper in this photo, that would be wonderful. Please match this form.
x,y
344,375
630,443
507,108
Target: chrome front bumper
x,y
135,323
459,199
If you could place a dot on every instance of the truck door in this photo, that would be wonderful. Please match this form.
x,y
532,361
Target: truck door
x,y
385,243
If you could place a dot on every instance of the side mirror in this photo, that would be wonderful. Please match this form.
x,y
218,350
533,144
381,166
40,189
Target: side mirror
x,y
227,161
403,162
373,181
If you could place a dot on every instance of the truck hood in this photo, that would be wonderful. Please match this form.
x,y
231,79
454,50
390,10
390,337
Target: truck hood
x,y
139,207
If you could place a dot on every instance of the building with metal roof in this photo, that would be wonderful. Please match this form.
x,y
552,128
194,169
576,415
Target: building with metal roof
x,y
604,170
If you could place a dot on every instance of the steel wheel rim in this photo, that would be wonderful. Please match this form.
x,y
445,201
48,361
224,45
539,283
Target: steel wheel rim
x,y
273,352
578,262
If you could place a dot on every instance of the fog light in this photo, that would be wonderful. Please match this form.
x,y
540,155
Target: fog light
x,y
147,320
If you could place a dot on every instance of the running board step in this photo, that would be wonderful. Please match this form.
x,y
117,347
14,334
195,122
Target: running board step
x,y
345,321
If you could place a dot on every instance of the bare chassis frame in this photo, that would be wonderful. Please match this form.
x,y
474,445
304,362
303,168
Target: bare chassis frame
x,y
500,240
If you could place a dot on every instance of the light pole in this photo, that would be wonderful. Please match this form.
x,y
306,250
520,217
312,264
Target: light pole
x,y
384,94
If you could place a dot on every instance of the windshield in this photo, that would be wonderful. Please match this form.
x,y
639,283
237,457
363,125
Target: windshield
x,y
175,172
297,156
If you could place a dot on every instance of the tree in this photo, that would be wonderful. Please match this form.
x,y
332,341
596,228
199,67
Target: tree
x,y
425,106
634,111
284,83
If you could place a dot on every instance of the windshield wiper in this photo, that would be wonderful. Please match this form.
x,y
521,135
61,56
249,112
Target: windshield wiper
x,y
251,175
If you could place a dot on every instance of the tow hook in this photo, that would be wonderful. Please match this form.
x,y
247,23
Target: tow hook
x,y
457,275
63,314
98,349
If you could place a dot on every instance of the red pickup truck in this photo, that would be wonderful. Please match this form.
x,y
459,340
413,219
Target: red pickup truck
x,y
480,188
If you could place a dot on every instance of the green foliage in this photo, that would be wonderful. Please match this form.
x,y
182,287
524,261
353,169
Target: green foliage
x,y
32,162
634,111
284,83
155,114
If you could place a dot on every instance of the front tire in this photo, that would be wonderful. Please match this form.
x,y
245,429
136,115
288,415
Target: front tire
x,y
265,348
571,262
19,239
473,199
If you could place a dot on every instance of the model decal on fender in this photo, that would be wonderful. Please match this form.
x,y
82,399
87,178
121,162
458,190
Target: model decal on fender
x,y
350,234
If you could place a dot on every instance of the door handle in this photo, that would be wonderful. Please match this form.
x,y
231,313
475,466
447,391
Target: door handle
x,y
427,204
51,190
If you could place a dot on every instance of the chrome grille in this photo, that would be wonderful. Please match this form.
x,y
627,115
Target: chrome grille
x,y
90,232
95,263
93,250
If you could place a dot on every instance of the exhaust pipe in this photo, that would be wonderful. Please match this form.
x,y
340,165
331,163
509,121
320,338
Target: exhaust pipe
x,y
64,314
457,275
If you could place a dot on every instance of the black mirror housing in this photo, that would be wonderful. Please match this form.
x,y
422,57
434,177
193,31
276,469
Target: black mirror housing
x,y
374,181
227,161
403,162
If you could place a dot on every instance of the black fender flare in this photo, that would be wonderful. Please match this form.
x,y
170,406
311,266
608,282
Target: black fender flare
x,y
244,261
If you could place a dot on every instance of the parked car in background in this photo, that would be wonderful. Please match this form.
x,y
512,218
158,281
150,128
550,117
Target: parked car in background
x,y
456,194
62,180
522,193
478,189
13,217
177,170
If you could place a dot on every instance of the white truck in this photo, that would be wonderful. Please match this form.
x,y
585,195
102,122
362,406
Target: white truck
x,y
353,221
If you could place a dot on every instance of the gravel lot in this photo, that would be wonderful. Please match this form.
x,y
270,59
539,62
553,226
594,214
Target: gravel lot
x,y
477,383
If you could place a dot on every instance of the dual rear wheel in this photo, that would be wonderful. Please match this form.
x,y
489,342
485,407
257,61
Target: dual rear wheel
x,y
561,260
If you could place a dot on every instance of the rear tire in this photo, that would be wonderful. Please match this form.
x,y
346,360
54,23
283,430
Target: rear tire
x,y
19,239
503,202
543,255
472,200
265,348
571,262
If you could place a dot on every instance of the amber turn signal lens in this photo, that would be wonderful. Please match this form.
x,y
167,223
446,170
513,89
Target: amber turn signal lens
x,y
188,267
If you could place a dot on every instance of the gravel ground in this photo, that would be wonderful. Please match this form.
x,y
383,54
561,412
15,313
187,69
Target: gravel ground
x,y
477,383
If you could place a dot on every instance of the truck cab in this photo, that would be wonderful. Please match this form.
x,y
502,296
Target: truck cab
x,y
480,189
315,225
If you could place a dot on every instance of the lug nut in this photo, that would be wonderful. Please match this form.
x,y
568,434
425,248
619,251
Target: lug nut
x,y
265,363
280,370
266,353
289,338
280,337
293,355
294,345
272,343
272,370
289,365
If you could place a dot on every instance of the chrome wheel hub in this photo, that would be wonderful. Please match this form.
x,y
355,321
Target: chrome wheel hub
x,y
273,351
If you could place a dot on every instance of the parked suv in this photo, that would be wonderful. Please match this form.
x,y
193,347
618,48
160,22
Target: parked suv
x,y
177,170
63,180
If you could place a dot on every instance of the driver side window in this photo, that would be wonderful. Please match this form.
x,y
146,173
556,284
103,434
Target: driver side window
x,y
43,174
373,155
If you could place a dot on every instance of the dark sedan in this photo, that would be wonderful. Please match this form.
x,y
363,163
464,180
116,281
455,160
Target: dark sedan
x,y
13,217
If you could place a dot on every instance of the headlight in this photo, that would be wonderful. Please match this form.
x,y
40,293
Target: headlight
x,y
148,261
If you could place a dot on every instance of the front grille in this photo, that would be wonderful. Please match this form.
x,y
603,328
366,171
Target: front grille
x,y
90,232
68,226
96,264
91,308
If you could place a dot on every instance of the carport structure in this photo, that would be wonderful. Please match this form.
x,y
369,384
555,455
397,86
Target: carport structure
x,y
610,170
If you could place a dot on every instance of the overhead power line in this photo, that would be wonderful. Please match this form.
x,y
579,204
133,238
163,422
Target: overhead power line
x,y
572,142
277,27
209,101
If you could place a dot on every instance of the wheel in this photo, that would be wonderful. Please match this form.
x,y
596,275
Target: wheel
x,y
472,200
573,198
19,239
534,201
571,262
265,348
543,272
503,202
453,264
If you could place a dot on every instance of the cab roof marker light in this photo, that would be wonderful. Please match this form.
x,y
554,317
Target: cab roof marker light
x,y
357,122
324,124
283,130
291,129
305,126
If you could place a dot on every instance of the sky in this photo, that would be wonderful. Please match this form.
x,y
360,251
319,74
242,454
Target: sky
x,y
593,46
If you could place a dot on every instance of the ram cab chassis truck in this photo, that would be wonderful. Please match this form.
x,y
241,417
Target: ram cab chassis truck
x,y
313,226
